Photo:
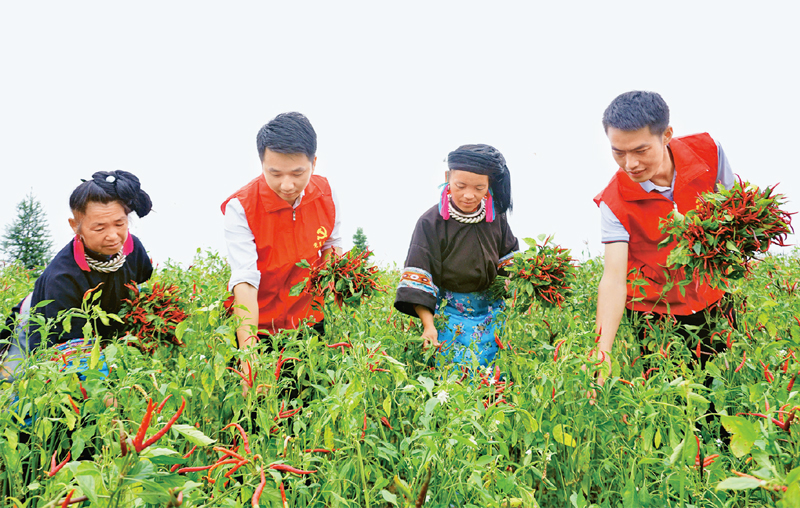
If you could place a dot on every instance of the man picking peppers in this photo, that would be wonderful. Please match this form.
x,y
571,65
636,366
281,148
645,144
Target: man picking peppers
x,y
657,173
284,215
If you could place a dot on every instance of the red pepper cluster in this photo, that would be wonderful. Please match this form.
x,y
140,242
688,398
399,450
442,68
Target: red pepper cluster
x,y
346,278
151,315
727,228
544,272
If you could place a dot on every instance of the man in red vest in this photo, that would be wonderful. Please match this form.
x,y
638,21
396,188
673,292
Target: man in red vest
x,y
657,173
284,215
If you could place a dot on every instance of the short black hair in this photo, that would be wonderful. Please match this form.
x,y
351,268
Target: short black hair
x,y
634,110
288,133
108,186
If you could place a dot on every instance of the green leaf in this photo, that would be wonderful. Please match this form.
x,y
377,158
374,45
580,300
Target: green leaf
x,y
91,482
389,497
738,483
193,435
744,433
298,288
562,437
95,358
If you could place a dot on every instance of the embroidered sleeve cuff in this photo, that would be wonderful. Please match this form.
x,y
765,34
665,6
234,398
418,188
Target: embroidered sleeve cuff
x,y
252,277
417,278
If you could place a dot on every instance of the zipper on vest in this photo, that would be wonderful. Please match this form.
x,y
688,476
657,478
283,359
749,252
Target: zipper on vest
x,y
293,214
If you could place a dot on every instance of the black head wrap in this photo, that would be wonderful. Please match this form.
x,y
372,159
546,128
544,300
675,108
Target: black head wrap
x,y
108,186
485,160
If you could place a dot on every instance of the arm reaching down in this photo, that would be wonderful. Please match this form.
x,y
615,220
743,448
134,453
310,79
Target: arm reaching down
x,y
611,296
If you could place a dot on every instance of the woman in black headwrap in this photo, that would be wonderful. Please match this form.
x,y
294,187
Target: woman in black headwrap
x,y
457,250
103,256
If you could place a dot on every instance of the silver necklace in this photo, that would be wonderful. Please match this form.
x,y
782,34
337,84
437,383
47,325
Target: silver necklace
x,y
112,265
468,218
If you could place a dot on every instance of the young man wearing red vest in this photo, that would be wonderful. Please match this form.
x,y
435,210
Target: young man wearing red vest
x,y
657,173
284,215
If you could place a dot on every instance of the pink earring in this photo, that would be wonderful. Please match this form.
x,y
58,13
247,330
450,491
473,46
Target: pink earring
x,y
128,247
80,254
489,207
444,203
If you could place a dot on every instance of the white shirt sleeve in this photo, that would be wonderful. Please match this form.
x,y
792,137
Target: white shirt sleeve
x,y
724,172
242,253
611,229
335,240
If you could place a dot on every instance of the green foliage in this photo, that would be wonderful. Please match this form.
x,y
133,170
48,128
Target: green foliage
x,y
525,434
27,238
360,240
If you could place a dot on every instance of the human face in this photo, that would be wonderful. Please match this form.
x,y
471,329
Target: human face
x,y
287,174
642,154
103,227
467,189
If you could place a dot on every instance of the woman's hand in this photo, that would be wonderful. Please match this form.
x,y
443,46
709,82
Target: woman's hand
x,y
430,338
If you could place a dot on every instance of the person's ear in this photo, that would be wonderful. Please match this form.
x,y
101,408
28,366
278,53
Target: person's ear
x,y
667,135
74,224
313,164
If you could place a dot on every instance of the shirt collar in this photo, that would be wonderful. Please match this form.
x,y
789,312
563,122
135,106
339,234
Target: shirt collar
x,y
649,186
300,198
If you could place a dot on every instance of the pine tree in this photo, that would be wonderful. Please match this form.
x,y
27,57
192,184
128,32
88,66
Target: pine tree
x,y
360,241
27,238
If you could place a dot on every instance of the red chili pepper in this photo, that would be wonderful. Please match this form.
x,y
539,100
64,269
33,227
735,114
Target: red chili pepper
x,y
66,500
791,384
698,352
648,371
195,469
74,406
498,342
245,440
138,443
55,468
281,361
558,347
767,374
340,344
289,469
86,397
364,430
283,496
230,453
386,423
744,359
189,454
161,406
236,468
625,419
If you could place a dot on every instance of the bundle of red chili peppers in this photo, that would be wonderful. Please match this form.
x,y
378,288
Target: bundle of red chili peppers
x,y
151,315
714,241
346,278
544,272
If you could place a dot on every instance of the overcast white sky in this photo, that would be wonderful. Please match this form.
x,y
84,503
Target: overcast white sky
x,y
176,91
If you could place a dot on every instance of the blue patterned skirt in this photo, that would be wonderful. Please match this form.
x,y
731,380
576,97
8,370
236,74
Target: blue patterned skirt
x,y
473,322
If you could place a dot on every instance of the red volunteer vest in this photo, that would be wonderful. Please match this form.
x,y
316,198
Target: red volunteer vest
x,y
696,166
284,236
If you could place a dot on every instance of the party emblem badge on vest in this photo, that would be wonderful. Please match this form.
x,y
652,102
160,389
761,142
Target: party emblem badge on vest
x,y
322,235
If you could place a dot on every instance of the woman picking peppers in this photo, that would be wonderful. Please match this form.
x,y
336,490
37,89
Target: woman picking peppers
x,y
458,248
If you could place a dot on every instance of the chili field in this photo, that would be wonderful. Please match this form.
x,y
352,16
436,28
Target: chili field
x,y
362,417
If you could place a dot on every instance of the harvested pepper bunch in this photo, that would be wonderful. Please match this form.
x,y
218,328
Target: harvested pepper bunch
x,y
151,314
714,241
346,279
544,272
